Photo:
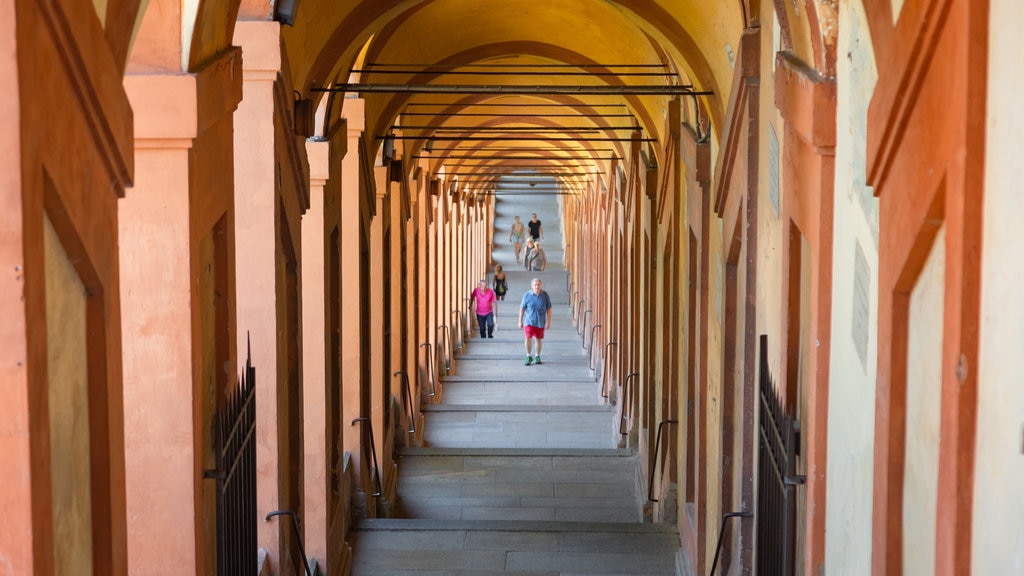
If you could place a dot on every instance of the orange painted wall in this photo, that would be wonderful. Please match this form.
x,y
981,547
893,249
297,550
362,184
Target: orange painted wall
x,y
75,180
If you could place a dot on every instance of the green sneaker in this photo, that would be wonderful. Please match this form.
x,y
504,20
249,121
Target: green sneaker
x,y
529,360
537,360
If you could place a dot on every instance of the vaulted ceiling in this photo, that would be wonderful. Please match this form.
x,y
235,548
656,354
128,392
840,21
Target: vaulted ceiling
x,y
558,86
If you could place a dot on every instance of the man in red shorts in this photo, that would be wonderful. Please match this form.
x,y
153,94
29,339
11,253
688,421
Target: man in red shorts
x,y
534,318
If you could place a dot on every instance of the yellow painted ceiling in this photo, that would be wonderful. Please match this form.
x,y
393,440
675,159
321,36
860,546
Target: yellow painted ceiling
x,y
529,43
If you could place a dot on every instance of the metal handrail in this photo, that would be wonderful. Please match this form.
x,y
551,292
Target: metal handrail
x,y
568,282
605,356
373,454
298,534
592,329
430,366
654,463
457,324
624,418
583,325
447,341
721,532
407,399
577,306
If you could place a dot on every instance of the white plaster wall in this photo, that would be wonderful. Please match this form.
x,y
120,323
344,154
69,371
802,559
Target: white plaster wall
x,y
998,533
851,417
923,412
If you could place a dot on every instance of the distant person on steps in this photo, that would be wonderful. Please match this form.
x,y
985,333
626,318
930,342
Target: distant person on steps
x,y
536,228
538,258
500,282
516,237
486,303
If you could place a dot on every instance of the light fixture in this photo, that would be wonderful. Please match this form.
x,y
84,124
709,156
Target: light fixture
x,y
389,147
429,146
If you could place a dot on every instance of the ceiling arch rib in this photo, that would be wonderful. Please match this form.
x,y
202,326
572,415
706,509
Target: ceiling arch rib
x,y
693,36
445,43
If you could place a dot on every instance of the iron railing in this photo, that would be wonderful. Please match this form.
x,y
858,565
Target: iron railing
x,y
234,427
778,448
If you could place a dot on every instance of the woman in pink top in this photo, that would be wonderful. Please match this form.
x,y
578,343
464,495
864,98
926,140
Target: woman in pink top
x,y
486,304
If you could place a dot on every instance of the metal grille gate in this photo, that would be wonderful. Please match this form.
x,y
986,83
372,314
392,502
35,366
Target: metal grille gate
x,y
778,447
235,436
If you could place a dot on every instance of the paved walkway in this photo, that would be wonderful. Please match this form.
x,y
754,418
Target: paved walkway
x,y
521,474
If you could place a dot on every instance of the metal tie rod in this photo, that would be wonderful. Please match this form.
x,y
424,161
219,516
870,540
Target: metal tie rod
x,y
606,90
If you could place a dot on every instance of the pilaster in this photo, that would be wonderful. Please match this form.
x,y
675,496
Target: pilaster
x,y
178,199
314,353
353,293
256,229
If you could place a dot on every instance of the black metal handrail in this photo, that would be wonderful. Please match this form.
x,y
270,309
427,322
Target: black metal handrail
x,y
623,418
568,280
604,357
592,330
430,366
407,399
721,532
576,309
654,463
373,454
447,341
583,325
298,534
457,326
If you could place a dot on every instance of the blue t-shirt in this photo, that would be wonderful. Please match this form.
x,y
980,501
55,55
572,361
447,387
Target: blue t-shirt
x,y
536,308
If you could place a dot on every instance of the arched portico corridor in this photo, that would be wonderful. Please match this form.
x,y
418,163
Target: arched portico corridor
x,y
238,239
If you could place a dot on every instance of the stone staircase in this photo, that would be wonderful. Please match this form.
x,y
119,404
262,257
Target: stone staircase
x,y
521,474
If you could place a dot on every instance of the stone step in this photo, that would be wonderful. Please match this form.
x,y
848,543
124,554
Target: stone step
x,y
397,547
519,428
535,485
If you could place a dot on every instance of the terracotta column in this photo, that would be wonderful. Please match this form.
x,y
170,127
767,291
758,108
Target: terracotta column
x,y
256,235
169,399
378,367
352,218
314,355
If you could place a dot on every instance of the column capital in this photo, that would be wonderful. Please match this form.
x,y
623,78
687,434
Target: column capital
x,y
354,112
318,155
173,109
260,41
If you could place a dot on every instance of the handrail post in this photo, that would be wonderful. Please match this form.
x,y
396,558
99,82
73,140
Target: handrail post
x,y
625,398
583,325
604,357
407,397
592,329
373,453
447,341
657,452
298,533
457,325
430,366
721,532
